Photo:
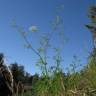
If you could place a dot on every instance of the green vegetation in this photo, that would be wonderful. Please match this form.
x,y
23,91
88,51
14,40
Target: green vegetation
x,y
82,83
53,81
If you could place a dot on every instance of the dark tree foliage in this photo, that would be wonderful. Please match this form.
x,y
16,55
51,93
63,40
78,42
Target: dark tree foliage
x,y
19,74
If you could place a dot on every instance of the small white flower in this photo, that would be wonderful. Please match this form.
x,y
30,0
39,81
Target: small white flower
x,y
33,28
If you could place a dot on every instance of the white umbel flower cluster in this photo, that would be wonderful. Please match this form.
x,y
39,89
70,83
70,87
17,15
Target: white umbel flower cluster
x,y
33,28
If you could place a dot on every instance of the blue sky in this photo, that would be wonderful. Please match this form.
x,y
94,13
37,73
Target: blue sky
x,y
40,13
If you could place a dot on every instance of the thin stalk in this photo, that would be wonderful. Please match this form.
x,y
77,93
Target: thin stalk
x,y
33,49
